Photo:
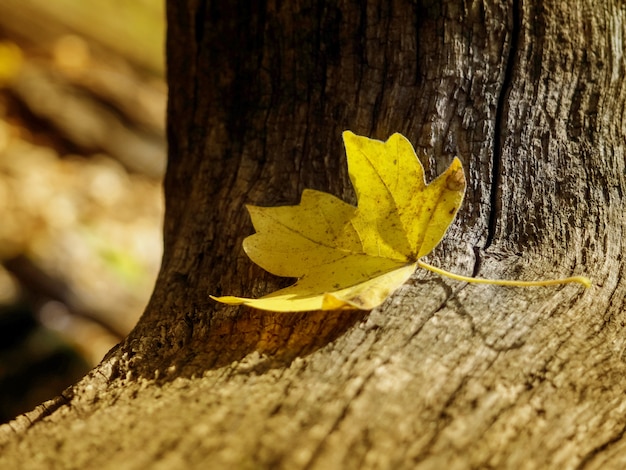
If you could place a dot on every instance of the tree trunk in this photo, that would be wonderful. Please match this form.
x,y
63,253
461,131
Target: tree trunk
x,y
530,95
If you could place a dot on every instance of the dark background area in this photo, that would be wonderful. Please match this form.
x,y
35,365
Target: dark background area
x,y
82,154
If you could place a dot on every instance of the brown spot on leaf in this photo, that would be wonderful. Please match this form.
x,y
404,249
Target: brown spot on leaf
x,y
456,180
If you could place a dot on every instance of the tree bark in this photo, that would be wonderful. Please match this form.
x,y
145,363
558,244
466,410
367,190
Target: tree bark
x,y
530,96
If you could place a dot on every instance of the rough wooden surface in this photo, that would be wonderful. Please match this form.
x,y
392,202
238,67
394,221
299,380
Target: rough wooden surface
x,y
530,96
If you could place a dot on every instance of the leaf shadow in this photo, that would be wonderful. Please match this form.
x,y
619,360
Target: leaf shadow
x,y
226,336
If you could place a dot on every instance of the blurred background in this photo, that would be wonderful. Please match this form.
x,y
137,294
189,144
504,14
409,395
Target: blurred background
x,y
82,154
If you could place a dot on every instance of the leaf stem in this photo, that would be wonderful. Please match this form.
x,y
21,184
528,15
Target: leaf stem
x,y
585,281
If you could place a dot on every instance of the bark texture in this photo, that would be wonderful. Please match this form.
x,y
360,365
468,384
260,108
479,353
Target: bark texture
x,y
530,95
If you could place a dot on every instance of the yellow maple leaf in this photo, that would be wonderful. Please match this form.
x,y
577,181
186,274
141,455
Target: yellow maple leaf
x,y
348,257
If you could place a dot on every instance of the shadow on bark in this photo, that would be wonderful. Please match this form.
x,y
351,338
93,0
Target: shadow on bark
x,y
229,335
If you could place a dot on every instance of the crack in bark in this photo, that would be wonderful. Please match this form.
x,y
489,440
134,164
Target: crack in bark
x,y
587,458
25,421
450,293
498,143
319,448
444,421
